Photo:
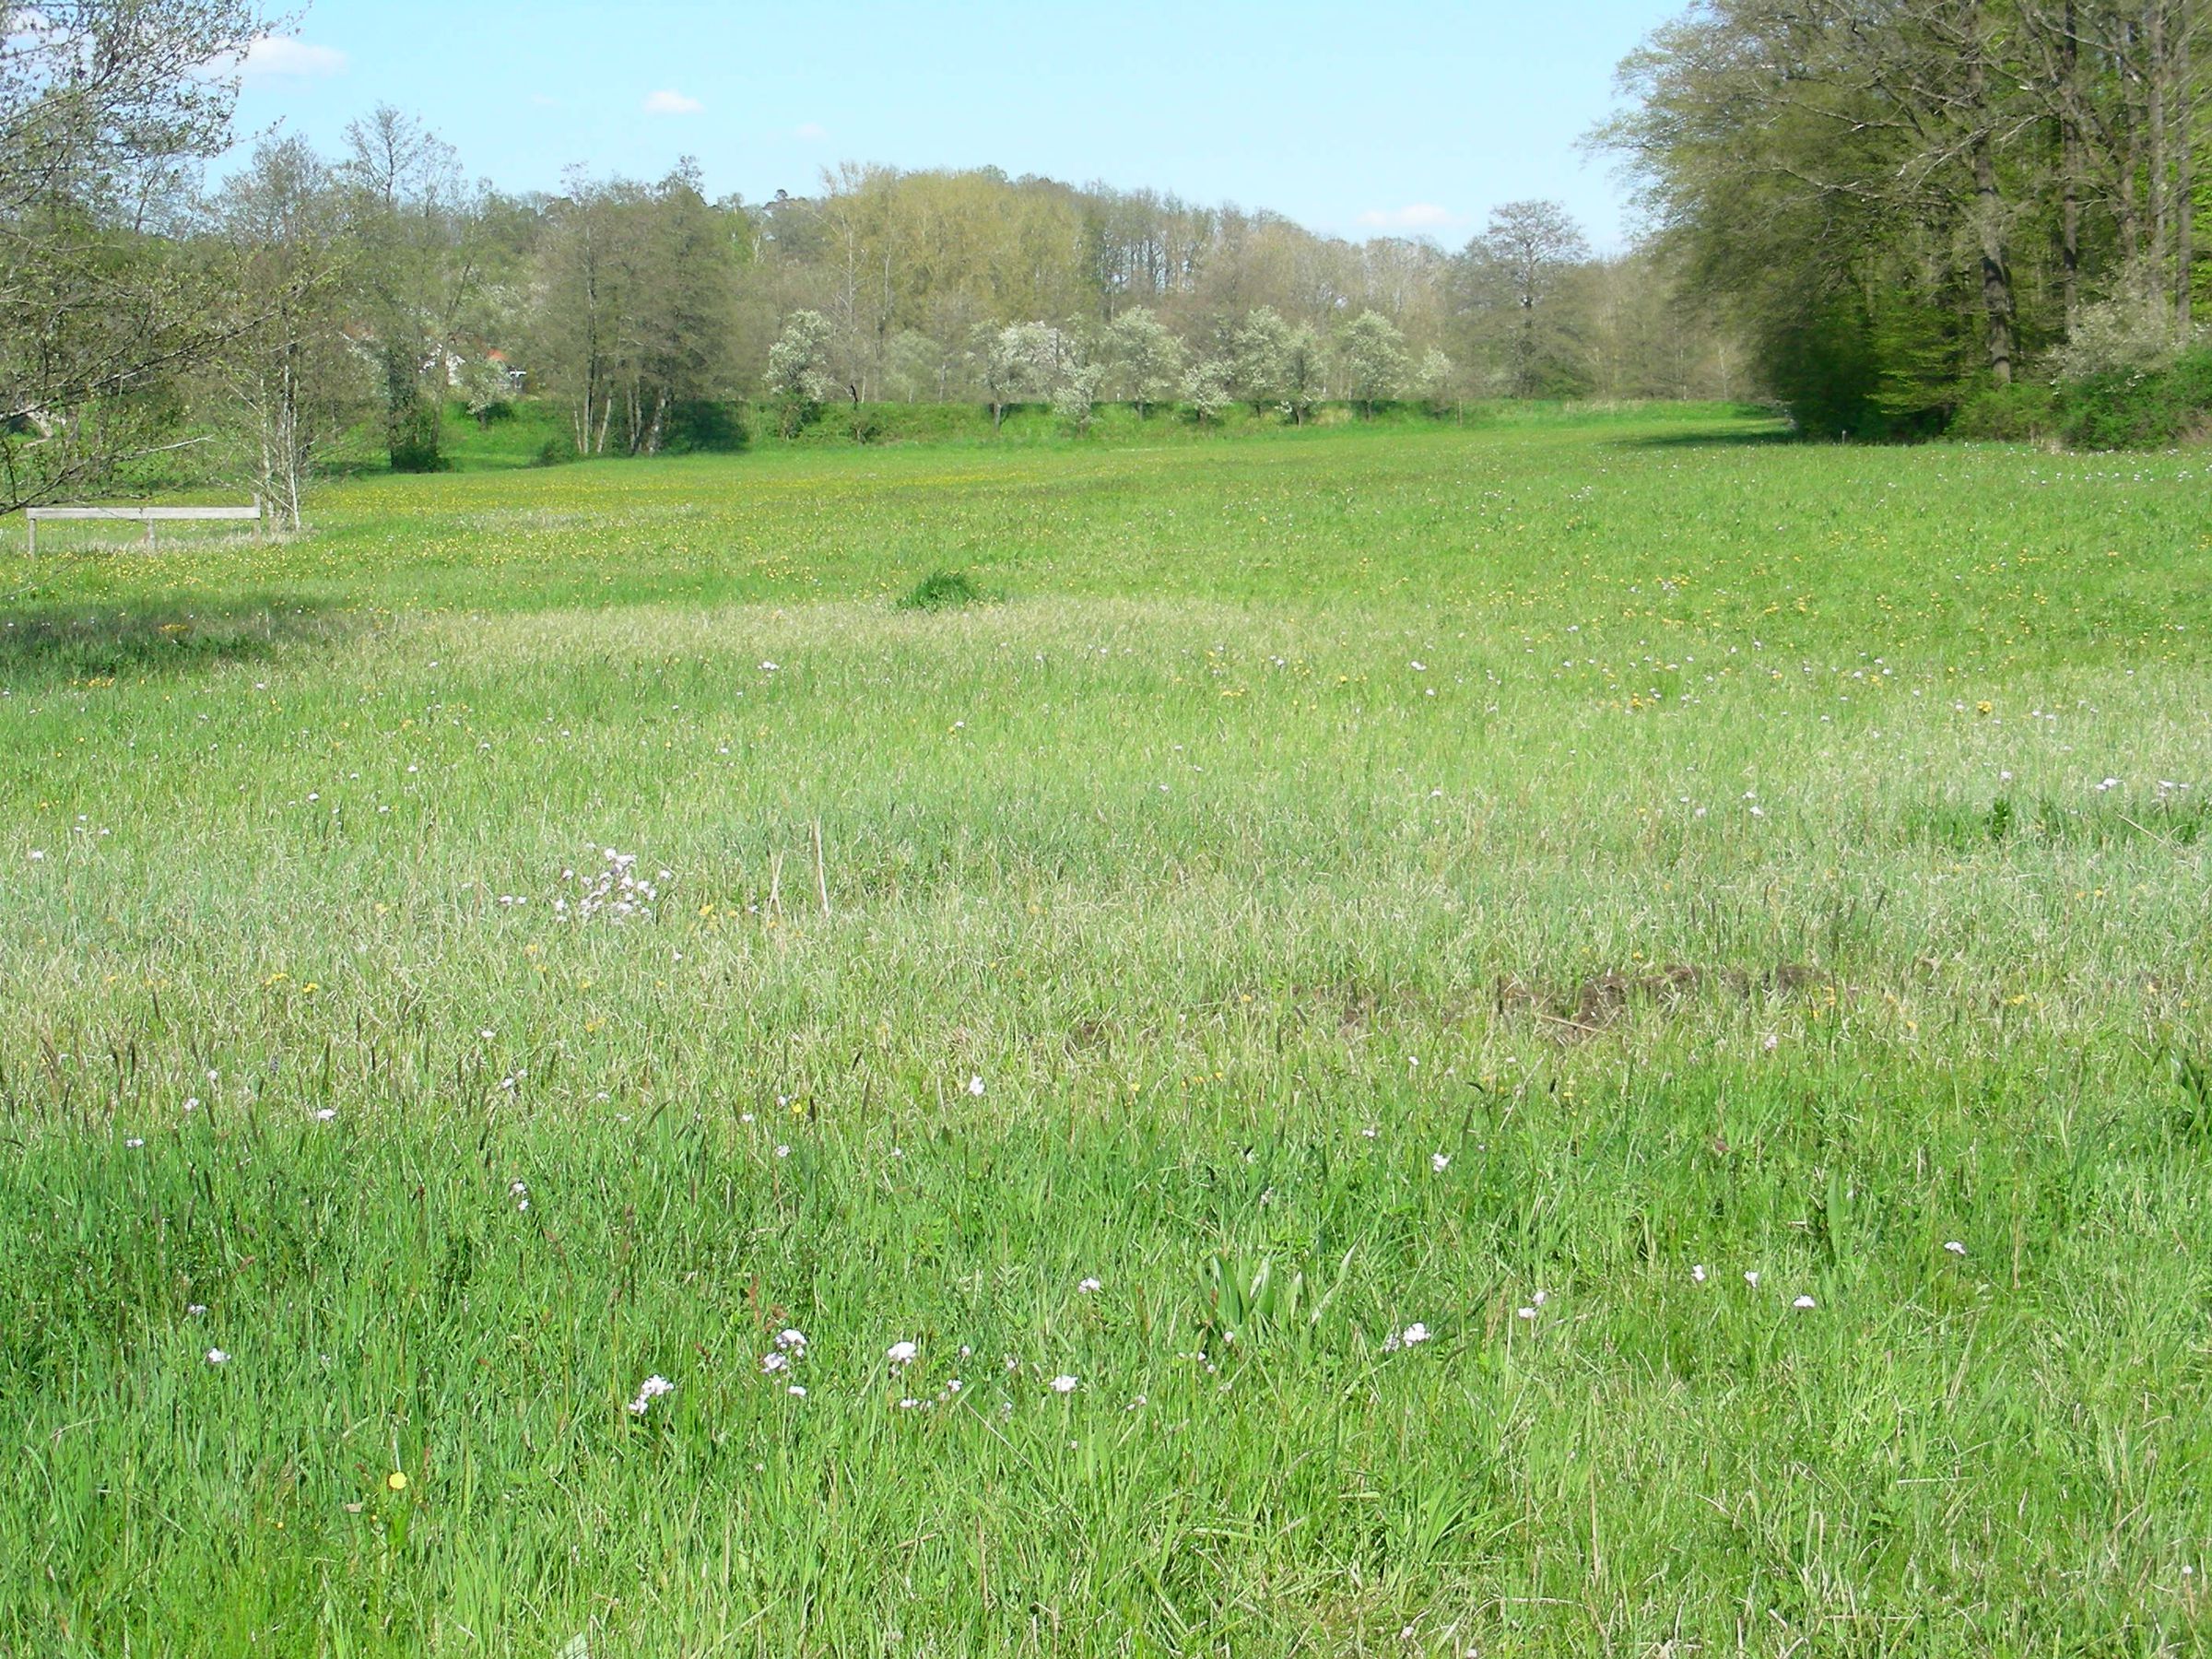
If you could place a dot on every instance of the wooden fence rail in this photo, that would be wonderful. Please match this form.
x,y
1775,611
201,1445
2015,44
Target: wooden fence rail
x,y
149,516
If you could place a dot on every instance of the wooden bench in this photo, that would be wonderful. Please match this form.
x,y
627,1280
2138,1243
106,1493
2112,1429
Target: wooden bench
x,y
149,516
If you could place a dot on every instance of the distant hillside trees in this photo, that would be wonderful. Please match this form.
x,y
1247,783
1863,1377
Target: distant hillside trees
x,y
260,315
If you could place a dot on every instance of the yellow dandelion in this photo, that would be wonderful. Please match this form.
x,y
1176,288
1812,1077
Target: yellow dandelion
x,y
396,1480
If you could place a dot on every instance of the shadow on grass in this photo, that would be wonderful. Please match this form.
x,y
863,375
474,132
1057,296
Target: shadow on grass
x,y
1753,437
61,644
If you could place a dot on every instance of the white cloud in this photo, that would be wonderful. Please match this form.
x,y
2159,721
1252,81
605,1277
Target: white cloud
x,y
671,103
280,57
1414,215
810,130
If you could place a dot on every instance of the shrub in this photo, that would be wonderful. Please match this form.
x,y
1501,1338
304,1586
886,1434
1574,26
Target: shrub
x,y
2141,409
795,414
2022,412
412,442
556,450
2135,329
705,426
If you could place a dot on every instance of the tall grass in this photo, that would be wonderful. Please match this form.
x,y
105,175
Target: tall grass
x,y
1522,881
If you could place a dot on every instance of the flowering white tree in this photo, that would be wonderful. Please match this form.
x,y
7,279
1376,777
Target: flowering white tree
x,y
1374,356
1256,356
1019,361
1149,357
1075,399
1207,389
798,369
1304,372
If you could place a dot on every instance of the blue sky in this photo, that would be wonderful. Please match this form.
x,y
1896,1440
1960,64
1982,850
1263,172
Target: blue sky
x,y
1391,115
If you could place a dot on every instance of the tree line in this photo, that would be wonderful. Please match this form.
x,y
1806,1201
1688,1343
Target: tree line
x,y
638,306
1905,205
246,321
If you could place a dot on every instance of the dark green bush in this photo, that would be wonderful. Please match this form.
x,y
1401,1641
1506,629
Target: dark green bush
x,y
412,441
706,427
2140,408
2023,412
556,450
942,590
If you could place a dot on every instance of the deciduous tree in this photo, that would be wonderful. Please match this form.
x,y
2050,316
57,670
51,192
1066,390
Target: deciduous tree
x,y
105,106
1374,353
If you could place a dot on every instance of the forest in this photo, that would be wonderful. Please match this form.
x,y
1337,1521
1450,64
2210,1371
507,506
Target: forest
x,y
1918,211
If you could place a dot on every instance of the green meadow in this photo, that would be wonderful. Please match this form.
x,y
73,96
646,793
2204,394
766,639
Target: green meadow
x,y
1582,1033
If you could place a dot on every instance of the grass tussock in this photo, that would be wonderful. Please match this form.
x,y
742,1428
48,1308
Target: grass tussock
x,y
941,590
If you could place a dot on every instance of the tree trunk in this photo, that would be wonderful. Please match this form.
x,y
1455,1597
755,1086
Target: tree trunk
x,y
2162,160
1989,225
2185,212
2129,209
2069,229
